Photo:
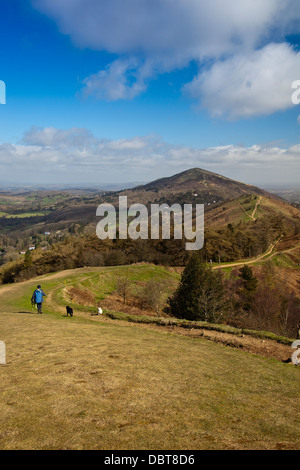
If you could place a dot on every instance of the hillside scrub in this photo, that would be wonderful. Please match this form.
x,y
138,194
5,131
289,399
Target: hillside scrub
x,y
242,300
265,302
230,240
76,252
270,305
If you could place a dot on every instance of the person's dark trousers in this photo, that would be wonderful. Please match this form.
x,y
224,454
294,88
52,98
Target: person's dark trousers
x,y
39,307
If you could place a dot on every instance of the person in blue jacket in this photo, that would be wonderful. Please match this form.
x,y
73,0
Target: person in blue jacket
x,y
38,298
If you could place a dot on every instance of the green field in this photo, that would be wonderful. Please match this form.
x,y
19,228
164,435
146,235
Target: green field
x,y
75,383
25,214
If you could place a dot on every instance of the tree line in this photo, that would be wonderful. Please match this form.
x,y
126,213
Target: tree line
x,y
241,299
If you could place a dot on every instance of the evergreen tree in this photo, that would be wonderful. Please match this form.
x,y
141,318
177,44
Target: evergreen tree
x,y
27,260
200,294
250,284
249,280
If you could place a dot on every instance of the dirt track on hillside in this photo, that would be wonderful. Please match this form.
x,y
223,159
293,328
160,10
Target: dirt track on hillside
x,y
265,348
259,258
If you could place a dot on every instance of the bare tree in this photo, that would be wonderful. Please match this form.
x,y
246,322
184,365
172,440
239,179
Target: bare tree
x,y
123,287
150,296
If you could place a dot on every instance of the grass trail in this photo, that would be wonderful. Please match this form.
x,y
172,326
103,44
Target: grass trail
x,y
78,384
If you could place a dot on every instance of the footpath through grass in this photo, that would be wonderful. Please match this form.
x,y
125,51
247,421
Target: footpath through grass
x,y
71,383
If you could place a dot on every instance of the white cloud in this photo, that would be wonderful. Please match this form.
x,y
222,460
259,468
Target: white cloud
x,y
158,36
257,83
122,79
137,159
189,29
57,138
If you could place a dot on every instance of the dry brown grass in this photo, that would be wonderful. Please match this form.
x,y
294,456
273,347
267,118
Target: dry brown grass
x,y
79,296
75,385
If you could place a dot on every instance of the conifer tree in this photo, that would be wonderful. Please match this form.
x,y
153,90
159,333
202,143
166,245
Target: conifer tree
x,y
200,294
250,284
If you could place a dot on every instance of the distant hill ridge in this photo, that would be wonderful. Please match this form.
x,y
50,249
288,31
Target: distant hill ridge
x,y
198,176
205,186
226,200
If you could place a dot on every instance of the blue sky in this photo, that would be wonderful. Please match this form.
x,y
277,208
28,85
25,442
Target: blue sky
x,y
132,90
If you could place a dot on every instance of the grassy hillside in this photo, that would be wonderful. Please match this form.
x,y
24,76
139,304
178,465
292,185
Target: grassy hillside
x,y
240,221
247,209
191,186
201,180
75,383
85,288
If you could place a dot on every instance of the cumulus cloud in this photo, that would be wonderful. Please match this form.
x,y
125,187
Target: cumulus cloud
x,y
160,27
158,36
122,79
90,159
257,83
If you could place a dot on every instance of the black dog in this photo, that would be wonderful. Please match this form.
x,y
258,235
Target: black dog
x,y
69,311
